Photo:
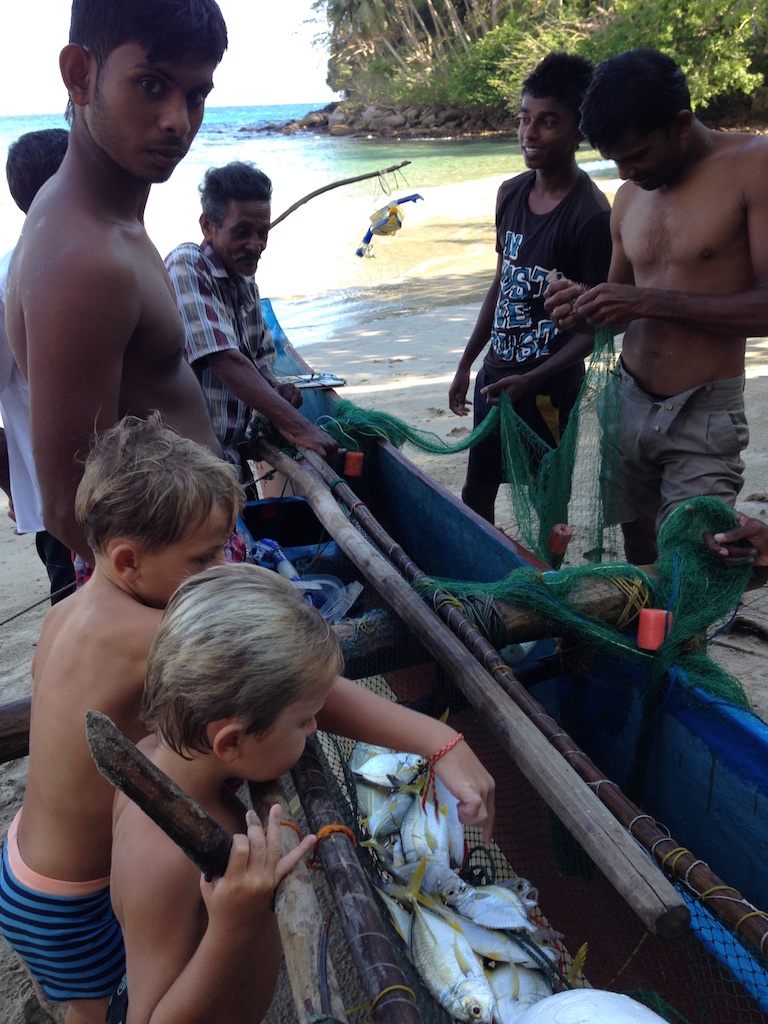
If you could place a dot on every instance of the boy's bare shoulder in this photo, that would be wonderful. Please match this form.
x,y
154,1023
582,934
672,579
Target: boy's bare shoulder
x,y
100,624
65,239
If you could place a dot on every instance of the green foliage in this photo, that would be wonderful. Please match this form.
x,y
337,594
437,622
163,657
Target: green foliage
x,y
493,70
711,40
464,51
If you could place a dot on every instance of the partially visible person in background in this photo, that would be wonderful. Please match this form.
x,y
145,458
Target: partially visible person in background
x,y
32,159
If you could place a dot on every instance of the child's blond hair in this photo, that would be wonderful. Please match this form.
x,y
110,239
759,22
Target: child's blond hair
x,y
236,641
145,482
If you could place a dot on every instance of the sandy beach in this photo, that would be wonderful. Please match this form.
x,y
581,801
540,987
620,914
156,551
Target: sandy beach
x,y
429,280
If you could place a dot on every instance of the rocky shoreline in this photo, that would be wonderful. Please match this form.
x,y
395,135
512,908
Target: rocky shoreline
x,y
412,122
356,120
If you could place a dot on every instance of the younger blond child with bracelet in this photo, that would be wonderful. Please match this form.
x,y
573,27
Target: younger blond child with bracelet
x,y
225,699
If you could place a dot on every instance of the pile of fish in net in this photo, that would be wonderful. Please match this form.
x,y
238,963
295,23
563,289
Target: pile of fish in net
x,y
484,952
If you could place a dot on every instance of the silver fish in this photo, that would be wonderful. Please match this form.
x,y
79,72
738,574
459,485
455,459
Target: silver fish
x,y
437,874
391,769
386,817
515,990
506,1010
401,918
424,832
492,906
493,944
456,846
526,890
362,752
451,971
532,986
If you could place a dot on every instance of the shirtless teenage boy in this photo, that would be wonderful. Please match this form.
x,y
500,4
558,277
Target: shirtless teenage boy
x,y
90,314
155,508
689,278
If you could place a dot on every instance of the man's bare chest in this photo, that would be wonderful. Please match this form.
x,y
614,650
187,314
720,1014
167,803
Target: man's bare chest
x,y
684,232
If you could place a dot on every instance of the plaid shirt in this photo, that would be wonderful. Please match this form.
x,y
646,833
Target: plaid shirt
x,y
219,313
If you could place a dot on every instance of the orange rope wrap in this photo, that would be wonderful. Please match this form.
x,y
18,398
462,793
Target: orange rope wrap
x,y
322,833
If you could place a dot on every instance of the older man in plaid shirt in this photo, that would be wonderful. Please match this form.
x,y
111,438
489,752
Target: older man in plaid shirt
x,y
228,344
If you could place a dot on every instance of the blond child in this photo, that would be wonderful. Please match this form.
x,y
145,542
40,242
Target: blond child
x,y
241,671
155,508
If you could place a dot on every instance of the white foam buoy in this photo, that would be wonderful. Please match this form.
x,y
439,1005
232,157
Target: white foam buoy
x,y
589,1006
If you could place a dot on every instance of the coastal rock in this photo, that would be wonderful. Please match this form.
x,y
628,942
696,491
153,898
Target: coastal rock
x,y
349,119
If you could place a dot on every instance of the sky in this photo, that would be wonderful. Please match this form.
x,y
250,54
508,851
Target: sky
x,y
270,58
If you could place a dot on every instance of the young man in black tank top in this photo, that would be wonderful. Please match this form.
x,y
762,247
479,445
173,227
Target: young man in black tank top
x,y
552,218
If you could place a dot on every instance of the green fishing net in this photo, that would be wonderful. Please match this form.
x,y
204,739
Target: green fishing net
x,y
689,581
546,485
567,485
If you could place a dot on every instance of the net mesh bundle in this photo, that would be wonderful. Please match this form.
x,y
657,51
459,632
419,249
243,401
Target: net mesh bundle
x,y
546,485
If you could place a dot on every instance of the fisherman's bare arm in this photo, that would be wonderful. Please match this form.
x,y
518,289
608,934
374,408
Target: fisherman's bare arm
x,y
478,339
561,296
353,711
78,320
250,385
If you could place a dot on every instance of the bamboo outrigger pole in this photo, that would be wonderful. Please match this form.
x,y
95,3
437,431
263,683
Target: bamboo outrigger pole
x,y
724,901
386,988
337,184
300,920
618,856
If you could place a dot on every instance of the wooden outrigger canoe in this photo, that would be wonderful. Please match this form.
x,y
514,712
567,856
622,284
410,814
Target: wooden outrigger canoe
x,y
701,814
560,746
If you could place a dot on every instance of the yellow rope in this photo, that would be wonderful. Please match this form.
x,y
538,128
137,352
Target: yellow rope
x,y
627,962
752,913
720,888
386,991
677,853
637,597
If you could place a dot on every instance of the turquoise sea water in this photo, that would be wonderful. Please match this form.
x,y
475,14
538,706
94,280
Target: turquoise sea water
x,y
297,164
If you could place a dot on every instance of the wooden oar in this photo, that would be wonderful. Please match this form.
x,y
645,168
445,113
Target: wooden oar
x,y
661,909
202,838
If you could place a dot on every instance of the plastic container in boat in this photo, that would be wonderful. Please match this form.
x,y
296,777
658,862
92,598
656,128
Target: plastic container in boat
x,y
332,598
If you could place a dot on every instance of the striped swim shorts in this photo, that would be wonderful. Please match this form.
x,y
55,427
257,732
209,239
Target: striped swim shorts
x,y
72,945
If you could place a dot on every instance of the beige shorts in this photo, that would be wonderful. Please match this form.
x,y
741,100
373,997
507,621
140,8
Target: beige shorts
x,y
668,450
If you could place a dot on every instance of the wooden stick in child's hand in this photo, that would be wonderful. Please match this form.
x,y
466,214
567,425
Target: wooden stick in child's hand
x,y
202,838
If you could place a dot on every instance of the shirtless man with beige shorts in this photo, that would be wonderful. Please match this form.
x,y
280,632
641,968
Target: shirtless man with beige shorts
x,y
689,281
91,316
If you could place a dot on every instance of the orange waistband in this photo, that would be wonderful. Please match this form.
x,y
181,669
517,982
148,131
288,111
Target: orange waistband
x,y
41,883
